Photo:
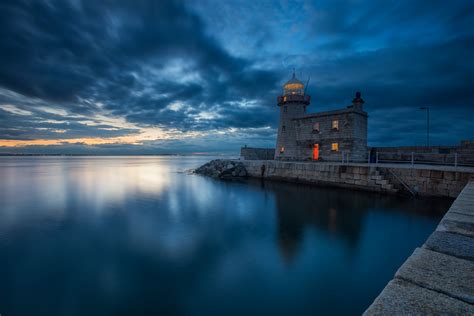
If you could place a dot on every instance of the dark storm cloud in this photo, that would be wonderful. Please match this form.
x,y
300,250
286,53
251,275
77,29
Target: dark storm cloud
x,y
41,125
210,65
68,51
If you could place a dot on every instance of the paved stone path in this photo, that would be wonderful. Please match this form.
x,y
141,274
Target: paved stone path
x,y
438,278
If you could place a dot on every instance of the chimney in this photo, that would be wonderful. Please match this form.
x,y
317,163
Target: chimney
x,y
357,102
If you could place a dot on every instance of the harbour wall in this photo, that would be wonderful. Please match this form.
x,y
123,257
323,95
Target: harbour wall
x,y
462,154
438,278
422,180
252,153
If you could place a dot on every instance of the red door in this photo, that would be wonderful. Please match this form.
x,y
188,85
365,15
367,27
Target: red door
x,y
315,151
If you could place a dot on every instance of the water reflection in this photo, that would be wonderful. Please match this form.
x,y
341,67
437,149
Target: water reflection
x,y
135,235
335,212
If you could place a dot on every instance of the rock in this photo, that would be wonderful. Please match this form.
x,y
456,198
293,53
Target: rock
x,y
223,169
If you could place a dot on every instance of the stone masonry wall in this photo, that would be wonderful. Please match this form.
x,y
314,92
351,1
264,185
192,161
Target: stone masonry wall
x,y
286,137
425,182
363,178
435,154
250,153
351,136
428,182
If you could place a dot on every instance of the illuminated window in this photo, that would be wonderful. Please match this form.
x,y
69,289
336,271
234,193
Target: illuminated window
x,y
282,150
283,128
335,146
316,127
335,124
285,109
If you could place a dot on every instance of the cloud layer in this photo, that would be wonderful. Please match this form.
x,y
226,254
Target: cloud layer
x,y
172,76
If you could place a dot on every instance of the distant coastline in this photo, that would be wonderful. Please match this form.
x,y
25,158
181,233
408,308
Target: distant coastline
x,y
112,155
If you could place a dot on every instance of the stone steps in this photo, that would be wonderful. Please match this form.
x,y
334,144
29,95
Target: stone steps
x,y
378,179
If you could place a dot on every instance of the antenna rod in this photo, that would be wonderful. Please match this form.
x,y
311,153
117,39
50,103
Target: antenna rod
x,y
307,82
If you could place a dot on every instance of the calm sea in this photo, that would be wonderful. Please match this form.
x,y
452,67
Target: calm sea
x,y
141,235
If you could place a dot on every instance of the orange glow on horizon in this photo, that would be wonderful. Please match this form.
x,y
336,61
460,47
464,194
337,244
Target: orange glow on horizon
x,y
132,140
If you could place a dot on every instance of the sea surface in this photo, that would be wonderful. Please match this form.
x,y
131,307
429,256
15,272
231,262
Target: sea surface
x,y
144,236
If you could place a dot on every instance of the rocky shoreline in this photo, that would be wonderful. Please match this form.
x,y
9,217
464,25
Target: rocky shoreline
x,y
223,169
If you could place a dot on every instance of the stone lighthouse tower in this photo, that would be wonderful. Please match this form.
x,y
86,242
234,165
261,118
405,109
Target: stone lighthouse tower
x,y
292,105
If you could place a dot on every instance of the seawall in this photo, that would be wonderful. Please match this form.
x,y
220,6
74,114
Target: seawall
x,y
422,180
438,278
251,153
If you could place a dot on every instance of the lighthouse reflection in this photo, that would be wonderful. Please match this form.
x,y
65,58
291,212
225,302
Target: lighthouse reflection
x,y
337,213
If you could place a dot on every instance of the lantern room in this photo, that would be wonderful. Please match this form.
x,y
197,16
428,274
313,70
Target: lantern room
x,y
293,86
293,92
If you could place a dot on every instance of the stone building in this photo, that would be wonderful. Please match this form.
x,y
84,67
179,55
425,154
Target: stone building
x,y
326,136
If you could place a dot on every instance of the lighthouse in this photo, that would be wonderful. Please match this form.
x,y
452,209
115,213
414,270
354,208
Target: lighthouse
x,y
292,104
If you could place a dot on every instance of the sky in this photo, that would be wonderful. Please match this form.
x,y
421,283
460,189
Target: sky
x,y
156,77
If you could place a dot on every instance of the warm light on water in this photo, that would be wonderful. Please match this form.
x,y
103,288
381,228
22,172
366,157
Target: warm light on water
x,y
140,235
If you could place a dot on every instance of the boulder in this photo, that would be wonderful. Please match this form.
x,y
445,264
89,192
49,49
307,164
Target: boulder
x,y
222,169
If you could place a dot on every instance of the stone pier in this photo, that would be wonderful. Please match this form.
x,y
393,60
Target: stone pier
x,y
423,180
438,278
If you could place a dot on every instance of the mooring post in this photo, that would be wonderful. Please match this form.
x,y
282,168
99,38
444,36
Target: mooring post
x,y
412,158
368,157
376,157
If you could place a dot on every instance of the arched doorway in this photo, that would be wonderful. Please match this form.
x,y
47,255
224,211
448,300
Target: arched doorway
x,y
315,151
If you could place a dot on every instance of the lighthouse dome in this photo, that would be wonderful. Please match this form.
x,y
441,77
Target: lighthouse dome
x,y
293,86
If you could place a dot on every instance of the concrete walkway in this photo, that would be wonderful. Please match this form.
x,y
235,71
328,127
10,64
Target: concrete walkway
x,y
438,278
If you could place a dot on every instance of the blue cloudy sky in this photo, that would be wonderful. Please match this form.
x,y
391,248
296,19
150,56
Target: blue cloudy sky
x,y
131,77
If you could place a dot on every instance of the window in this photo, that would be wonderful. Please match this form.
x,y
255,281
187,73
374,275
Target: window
x,y
285,109
282,150
335,124
316,127
283,128
335,146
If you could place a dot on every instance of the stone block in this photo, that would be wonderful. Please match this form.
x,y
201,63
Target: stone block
x,y
460,215
448,175
442,186
457,208
426,173
436,174
441,273
452,244
404,298
460,226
